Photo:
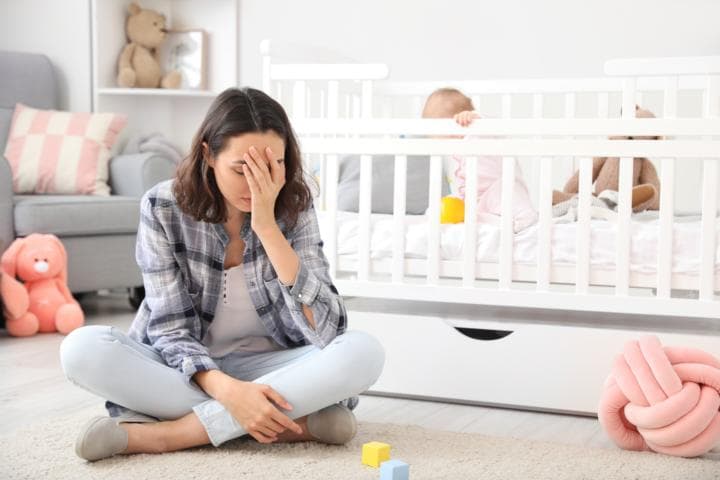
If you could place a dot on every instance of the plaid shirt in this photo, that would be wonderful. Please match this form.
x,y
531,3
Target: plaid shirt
x,y
182,261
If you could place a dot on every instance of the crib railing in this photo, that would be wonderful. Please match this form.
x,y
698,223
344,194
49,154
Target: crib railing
x,y
683,141
670,87
336,89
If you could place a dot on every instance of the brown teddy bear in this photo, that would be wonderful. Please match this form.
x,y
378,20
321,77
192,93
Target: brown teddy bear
x,y
138,65
605,174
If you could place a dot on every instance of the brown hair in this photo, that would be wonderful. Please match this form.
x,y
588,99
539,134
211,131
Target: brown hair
x,y
234,112
446,102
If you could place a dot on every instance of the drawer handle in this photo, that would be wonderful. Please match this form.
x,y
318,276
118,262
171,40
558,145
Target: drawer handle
x,y
483,334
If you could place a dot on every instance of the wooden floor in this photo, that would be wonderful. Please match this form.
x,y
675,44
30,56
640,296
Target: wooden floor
x,y
33,388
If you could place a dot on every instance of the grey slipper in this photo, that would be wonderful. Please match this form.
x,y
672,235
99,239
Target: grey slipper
x,y
335,424
101,437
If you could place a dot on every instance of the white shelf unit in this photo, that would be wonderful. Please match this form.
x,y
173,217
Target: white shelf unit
x,y
175,113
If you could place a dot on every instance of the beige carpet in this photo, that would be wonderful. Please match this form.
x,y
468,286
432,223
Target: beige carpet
x,y
44,451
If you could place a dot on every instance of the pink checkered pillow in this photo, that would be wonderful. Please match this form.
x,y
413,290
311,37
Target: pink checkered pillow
x,y
61,152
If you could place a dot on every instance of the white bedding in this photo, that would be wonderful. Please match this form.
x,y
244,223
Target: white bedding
x,y
644,243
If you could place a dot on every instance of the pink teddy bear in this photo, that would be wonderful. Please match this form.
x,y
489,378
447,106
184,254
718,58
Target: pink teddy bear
x,y
44,303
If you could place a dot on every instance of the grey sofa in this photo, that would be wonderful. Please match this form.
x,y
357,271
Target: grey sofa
x,y
98,232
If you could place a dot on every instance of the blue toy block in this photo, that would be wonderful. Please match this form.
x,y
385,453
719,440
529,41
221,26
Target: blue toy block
x,y
394,470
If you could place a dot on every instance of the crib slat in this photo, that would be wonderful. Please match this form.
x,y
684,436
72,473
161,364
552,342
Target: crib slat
x,y
582,267
709,209
330,201
622,263
506,105
665,242
628,97
667,195
418,103
709,204
367,91
398,255
266,78
570,105
364,211
435,191
470,243
298,94
506,223
386,107
545,224
476,102
332,99
570,112
602,105
537,113
537,105
356,106
623,229
670,97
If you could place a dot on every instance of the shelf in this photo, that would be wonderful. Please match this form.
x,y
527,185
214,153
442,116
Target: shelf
x,y
158,92
173,113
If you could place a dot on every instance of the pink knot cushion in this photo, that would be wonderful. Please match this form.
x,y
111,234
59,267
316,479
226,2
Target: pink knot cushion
x,y
664,399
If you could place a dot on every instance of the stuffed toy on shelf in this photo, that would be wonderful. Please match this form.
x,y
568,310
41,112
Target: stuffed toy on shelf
x,y
33,286
138,65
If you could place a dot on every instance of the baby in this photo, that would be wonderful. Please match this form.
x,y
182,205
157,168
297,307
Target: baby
x,y
451,103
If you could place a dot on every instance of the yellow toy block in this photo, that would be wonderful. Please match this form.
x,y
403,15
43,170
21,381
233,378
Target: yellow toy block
x,y
374,453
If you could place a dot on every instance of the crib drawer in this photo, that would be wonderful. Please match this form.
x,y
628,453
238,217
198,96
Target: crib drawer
x,y
545,367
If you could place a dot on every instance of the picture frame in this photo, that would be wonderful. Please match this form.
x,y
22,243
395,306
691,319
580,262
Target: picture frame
x,y
185,51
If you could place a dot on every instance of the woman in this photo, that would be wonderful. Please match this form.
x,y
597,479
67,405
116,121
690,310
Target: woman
x,y
241,331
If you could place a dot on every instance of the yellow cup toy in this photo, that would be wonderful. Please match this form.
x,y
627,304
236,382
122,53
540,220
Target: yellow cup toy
x,y
452,210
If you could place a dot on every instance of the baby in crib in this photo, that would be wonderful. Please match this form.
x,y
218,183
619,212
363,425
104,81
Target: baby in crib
x,y
452,103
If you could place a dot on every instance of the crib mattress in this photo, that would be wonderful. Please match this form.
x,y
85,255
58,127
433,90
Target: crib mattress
x,y
643,246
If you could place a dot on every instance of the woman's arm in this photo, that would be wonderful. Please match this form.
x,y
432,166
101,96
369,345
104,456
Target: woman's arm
x,y
312,300
173,326
284,260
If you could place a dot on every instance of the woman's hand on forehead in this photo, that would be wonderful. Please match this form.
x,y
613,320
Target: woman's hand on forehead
x,y
269,153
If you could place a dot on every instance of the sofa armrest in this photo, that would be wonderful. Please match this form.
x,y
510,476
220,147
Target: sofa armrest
x,y
7,226
132,175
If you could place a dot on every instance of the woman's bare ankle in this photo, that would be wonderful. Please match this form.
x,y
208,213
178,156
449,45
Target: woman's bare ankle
x,y
144,438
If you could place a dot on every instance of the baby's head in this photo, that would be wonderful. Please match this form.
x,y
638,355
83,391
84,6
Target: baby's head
x,y
445,103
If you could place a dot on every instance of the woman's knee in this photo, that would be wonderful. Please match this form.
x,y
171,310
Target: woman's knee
x,y
82,351
364,356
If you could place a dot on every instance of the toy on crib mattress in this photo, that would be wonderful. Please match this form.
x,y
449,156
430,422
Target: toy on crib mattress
x,y
664,399
138,65
605,177
42,302
452,210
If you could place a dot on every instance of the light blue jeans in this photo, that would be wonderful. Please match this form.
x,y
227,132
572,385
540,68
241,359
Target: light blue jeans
x,y
106,362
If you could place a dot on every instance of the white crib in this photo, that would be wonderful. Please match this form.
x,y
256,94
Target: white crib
x,y
535,324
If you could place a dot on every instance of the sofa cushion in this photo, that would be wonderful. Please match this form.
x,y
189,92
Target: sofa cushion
x,y
27,78
55,152
76,215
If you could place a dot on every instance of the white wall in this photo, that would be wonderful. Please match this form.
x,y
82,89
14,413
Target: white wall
x,y
476,39
420,40
60,30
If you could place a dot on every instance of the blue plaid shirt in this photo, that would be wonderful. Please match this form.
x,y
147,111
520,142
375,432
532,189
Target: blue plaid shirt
x,y
182,261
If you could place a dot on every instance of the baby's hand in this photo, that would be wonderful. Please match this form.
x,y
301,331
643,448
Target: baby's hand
x,y
465,118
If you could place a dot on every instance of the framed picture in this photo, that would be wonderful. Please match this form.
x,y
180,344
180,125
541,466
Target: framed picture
x,y
184,51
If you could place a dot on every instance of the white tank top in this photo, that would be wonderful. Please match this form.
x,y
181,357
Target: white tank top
x,y
236,326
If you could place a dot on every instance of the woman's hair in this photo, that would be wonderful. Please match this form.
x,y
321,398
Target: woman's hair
x,y
234,112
